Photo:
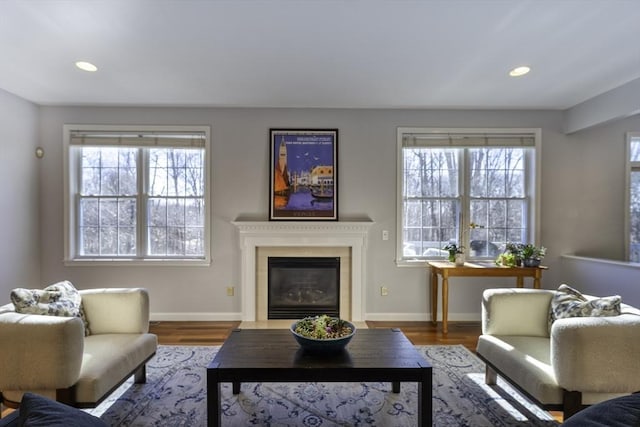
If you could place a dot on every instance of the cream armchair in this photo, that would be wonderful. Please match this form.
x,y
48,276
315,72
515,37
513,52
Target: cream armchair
x,y
51,355
579,362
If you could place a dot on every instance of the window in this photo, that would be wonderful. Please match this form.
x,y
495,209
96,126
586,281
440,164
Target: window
x,y
137,194
633,204
472,187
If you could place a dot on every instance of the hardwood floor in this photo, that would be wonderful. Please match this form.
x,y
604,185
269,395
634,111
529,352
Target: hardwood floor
x,y
192,333
214,333
425,333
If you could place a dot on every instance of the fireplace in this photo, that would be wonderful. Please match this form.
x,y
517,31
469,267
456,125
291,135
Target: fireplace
x,y
303,286
260,239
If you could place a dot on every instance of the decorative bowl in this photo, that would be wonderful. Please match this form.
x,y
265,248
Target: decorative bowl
x,y
323,345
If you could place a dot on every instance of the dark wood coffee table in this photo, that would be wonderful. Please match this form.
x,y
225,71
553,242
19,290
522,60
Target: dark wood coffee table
x,y
272,355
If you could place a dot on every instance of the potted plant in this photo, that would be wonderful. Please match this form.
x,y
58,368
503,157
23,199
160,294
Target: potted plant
x,y
507,259
456,253
512,255
532,255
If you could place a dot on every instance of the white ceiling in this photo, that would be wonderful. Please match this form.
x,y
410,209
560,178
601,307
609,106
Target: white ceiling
x,y
318,53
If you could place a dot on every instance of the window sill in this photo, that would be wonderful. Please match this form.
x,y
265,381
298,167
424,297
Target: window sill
x,y
422,263
115,262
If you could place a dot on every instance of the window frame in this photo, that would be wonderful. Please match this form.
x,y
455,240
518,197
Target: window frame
x,y
72,179
532,183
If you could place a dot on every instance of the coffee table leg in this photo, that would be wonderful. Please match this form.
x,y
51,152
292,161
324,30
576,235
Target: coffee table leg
x,y
425,404
395,386
214,414
236,387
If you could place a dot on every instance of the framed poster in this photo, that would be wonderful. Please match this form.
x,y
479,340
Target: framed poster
x,y
304,180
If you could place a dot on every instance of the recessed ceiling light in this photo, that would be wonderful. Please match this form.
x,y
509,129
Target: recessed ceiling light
x,y
86,66
519,71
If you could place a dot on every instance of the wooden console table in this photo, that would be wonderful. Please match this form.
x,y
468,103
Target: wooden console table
x,y
472,269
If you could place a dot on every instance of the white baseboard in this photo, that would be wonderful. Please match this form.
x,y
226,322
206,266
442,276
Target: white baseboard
x,y
382,317
193,317
422,317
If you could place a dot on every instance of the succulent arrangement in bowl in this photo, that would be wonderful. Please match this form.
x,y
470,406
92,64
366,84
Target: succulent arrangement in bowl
x,y
323,333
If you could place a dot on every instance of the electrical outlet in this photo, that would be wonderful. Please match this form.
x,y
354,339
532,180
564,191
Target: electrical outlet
x,y
229,291
385,234
384,291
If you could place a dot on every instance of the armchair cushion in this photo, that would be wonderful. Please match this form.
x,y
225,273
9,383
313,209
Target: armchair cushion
x,y
60,299
117,310
503,311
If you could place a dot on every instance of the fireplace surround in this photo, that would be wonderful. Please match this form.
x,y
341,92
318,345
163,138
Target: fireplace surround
x,y
303,237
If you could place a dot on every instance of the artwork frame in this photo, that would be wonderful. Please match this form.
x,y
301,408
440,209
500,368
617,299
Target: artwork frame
x,y
303,183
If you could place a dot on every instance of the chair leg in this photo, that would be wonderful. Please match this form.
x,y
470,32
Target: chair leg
x,y
490,376
571,403
66,396
140,376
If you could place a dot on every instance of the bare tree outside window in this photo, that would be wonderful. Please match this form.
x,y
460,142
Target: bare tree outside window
x,y
108,201
431,199
176,202
498,201
112,194
634,200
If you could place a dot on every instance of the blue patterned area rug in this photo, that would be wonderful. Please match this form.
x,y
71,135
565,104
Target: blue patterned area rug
x,y
175,395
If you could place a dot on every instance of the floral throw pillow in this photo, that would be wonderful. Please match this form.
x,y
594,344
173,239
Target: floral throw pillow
x,y
59,299
568,302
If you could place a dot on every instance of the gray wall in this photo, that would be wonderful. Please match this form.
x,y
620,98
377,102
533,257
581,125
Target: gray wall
x,y
582,194
19,209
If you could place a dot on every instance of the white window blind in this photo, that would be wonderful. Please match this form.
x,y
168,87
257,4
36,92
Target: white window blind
x,y
137,139
462,140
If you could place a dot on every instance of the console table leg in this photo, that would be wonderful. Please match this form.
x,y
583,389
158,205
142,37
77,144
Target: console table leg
x,y
434,297
395,386
236,387
536,279
445,303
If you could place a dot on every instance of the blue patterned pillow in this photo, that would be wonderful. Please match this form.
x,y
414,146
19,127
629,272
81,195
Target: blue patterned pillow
x,y
59,299
568,302
39,411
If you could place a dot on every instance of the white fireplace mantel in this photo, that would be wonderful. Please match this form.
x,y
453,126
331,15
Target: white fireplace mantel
x,y
255,234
